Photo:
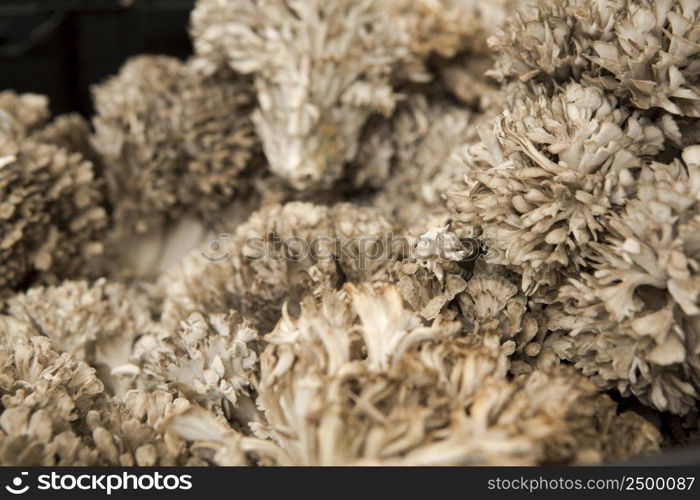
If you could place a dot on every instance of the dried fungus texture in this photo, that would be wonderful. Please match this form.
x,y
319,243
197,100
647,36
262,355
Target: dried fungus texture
x,y
321,69
416,258
52,215
21,114
633,323
72,132
643,51
174,141
27,116
434,273
451,37
447,28
541,180
131,431
45,397
466,77
414,150
279,254
453,279
494,308
211,360
357,379
97,323
55,412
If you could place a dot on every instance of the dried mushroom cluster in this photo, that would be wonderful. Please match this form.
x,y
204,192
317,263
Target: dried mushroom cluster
x,y
432,232
53,216
173,140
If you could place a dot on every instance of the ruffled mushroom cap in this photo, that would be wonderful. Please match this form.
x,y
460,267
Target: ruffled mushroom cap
x,y
540,182
27,116
97,323
644,51
410,158
133,135
22,114
73,133
434,272
52,218
545,417
55,412
321,69
282,251
449,27
448,277
345,315
357,379
131,431
211,360
258,267
633,323
363,239
496,308
467,78
45,396
174,142
450,36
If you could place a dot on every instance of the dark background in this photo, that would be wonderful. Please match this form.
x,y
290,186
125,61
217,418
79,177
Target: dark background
x,y
61,47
